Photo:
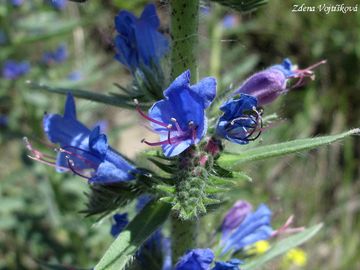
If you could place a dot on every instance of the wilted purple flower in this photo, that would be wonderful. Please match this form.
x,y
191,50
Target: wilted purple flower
x,y
241,122
13,70
121,220
139,42
196,259
180,118
58,4
255,227
59,55
270,83
233,264
235,216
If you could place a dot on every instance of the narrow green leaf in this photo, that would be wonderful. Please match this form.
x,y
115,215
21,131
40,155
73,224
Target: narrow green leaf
x,y
280,149
135,234
282,247
102,98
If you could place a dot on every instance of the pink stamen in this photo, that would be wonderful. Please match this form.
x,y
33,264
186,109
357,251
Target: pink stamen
x,y
303,73
178,128
86,161
285,229
149,118
72,168
48,163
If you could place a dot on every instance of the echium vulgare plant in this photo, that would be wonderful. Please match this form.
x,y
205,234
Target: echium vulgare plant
x,y
190,169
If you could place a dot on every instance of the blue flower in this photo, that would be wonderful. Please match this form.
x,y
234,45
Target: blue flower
x,y
235,216
57,56
270,83
196,259
139,42
17,3
255,227
13,70
58,4
240,120
233,264
121,220
180,117
83,149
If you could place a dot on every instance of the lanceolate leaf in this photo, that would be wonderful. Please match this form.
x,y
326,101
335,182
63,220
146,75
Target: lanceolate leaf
x,y
114,100
122,250
280,149
282,247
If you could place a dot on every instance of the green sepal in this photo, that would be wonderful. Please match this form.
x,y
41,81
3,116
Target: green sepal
x,y
166,188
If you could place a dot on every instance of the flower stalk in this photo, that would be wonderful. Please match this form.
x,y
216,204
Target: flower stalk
x,y
184,38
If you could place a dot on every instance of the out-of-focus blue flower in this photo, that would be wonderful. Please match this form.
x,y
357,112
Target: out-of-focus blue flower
x,y
233,264
17,3
180,118
59,55
235,216
121,220
13,69
58,4
139,42
270,83
196,259
4,120
255,227
230,21
83,149
240,120
75,76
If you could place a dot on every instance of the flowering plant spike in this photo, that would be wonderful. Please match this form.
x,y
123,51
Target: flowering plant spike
x,y
153,205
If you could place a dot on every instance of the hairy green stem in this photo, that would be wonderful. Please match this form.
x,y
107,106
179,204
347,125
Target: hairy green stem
x,y
183,236
184,37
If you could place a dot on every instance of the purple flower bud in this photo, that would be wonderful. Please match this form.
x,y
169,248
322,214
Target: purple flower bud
x,y
270,83
235,216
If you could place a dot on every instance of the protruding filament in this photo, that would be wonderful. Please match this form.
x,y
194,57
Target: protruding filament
x,y
307,72
144,115
41,157
285,229
71,166
178,128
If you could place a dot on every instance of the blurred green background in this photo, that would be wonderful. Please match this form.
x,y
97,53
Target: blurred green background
x,y
40,217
